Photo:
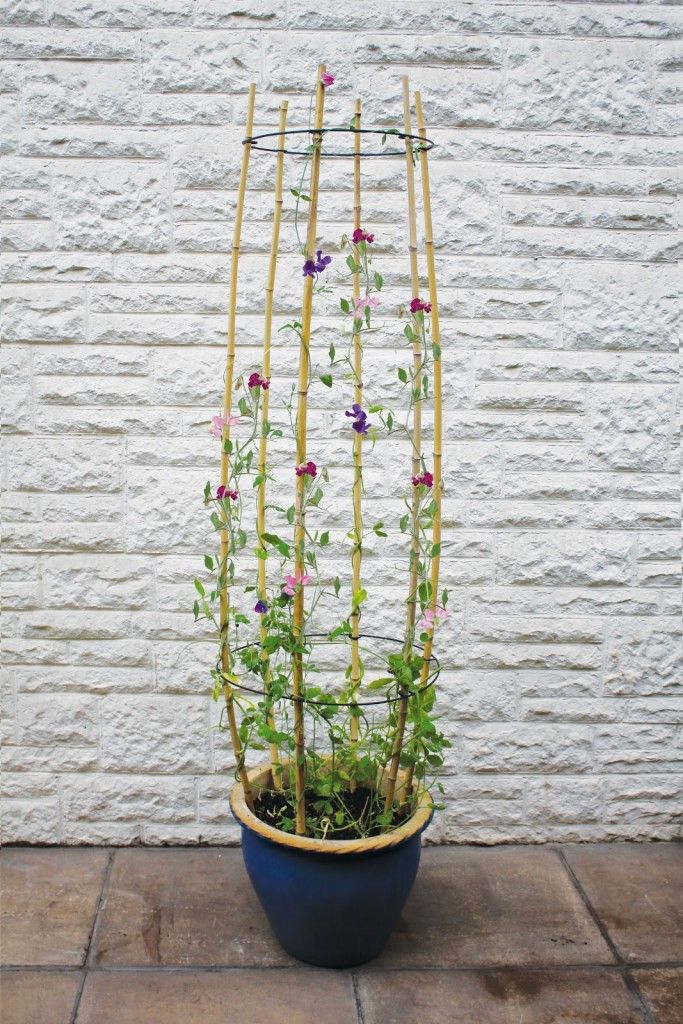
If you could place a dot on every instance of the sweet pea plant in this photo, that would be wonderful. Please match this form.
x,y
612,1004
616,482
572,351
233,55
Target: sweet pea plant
x,y
376,713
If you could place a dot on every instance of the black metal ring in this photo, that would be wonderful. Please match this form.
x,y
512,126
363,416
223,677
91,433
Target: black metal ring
x,y
425,143
341,704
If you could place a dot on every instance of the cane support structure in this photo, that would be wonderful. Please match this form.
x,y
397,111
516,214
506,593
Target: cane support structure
x,y
415,145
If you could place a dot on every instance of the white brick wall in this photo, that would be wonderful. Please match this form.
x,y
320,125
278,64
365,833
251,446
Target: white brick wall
x,y
555,185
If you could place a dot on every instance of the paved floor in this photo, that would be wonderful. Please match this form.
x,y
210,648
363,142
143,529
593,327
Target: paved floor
x,y
504,935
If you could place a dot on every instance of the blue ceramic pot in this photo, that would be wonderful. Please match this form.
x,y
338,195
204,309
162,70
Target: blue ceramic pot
x,y
334,903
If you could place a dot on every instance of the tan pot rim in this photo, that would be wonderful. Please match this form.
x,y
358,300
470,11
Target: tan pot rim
x,y
259,778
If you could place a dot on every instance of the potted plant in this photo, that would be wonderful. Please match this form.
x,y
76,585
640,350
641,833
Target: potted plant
x,y
342,711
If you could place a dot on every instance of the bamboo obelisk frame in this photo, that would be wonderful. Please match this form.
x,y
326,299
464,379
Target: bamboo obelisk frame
x,y
224,600
357,490
301,417
265,405
438,412
297,766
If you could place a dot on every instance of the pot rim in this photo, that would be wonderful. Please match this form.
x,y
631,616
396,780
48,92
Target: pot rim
x,y
417,823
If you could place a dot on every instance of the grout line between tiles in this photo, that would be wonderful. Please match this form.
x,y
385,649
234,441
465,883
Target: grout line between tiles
x,y
366,968
86,958
629,981
360,1014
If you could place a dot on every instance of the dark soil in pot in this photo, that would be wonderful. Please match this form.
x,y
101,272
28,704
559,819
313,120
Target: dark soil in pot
x,y
271,807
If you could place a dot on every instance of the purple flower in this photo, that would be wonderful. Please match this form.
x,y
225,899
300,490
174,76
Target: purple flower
x,y
360,418
306,469
314,267
261,607
327,79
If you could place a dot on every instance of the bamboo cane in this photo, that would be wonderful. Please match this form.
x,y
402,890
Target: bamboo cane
x,y
438,417
416,385
357,551
263,440
302,408
224,605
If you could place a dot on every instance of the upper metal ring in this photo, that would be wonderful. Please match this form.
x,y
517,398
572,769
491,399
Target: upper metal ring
x,y
253,140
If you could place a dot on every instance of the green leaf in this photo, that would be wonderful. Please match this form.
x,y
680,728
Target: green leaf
x,y
324,538
351,264
436,550
358,598
408,331
345,305
199,588
379,529
379,281
436,350
379,684
403,523
290,513
332,353
195,609
402,375
207,489
208,562
326,378
337,585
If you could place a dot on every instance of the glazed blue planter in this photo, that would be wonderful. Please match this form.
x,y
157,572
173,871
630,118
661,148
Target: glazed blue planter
x,y
334,903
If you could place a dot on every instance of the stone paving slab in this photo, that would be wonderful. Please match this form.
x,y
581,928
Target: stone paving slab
x,y
49,904
233,997
503,935
663,991
183,908
637,891
581,996
513,906
38,997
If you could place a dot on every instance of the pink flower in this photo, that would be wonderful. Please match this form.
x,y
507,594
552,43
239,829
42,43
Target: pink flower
x,y
327,79
220,422
292,582
222,492
360,302
431,618
425,478
306,469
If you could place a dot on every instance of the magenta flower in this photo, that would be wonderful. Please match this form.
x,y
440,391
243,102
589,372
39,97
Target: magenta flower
x,y
314,267
220,422
261,607
257,381
425,478
299,579
362,236
418,306
306,469
326,79
431,618
360,302
222,493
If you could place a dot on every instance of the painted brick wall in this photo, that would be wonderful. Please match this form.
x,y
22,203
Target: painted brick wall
x,y
555,185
